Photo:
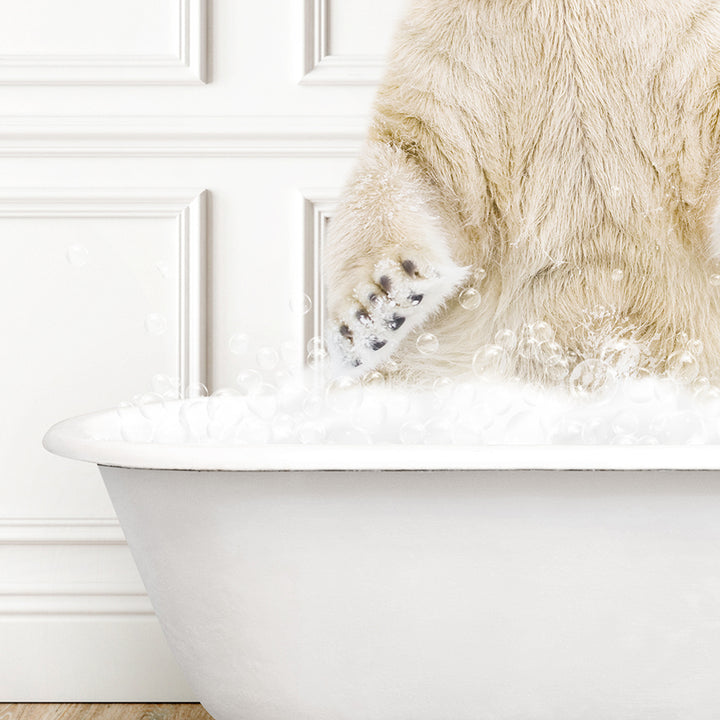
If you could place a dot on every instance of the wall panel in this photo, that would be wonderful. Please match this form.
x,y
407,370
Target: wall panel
x,y
115,116
100,42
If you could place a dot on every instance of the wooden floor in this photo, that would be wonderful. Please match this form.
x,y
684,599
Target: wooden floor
x,y
100,711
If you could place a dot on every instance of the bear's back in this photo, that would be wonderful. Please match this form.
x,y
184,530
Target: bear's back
x,y
554,119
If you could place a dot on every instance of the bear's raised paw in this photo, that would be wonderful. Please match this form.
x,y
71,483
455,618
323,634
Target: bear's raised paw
x,y
397,297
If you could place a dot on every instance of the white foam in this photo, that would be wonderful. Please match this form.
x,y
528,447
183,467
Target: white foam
x,y
651,410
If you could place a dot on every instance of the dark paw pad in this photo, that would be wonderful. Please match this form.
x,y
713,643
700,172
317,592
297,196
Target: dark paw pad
x,y
364,317
396,322
377,344
385,283
410,268
416,299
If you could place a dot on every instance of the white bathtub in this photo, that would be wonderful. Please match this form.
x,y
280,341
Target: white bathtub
x,y
428,583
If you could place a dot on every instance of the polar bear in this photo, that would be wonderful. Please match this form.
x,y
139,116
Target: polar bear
x,y
553,162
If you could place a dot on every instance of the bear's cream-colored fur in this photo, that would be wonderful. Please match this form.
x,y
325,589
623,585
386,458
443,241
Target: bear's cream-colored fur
x,y
567,151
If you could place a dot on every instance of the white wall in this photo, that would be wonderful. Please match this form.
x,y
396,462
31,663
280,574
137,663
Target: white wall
x,y
135,135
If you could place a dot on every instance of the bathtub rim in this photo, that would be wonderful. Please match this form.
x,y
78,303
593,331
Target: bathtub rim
x,y
72,438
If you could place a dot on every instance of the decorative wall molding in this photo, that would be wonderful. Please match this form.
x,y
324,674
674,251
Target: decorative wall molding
x,y
61,531
323,68
76,600
188,207
188,66
45,596
178,136
319,207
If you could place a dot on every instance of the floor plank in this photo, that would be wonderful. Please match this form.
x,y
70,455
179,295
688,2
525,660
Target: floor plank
x,y
102,711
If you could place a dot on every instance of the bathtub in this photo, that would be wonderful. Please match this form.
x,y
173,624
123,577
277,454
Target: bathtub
x,y
426,583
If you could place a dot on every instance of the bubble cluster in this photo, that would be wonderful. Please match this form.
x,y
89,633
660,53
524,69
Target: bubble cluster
x,y
604,398
644,411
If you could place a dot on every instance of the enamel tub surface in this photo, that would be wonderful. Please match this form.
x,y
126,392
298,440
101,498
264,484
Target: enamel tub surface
x,y
487,593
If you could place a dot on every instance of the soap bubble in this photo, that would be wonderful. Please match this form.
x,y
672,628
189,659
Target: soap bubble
x,y
263,401
641,389
267,358
224,404
126,410
592,378
596,431
443,388
470,299
490,360
390,366
349,435
137,430
316,352
316,344
195,390
300,305
557,368
506,339
194,418
344,394
439,431
285,381
239,343
625,422
682,366
220,430
248,381
621,354
528,347
252,431
289,352
169,432
313,405
525,428
617,275
371,415
541,331
427,343
678,428
312,432
77,255
316,358
283,428
373,379
695,346
568,431
151,405
168,387
155,324
549,352
412,433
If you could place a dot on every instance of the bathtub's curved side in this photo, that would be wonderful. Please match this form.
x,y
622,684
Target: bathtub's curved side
x,y
464,595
